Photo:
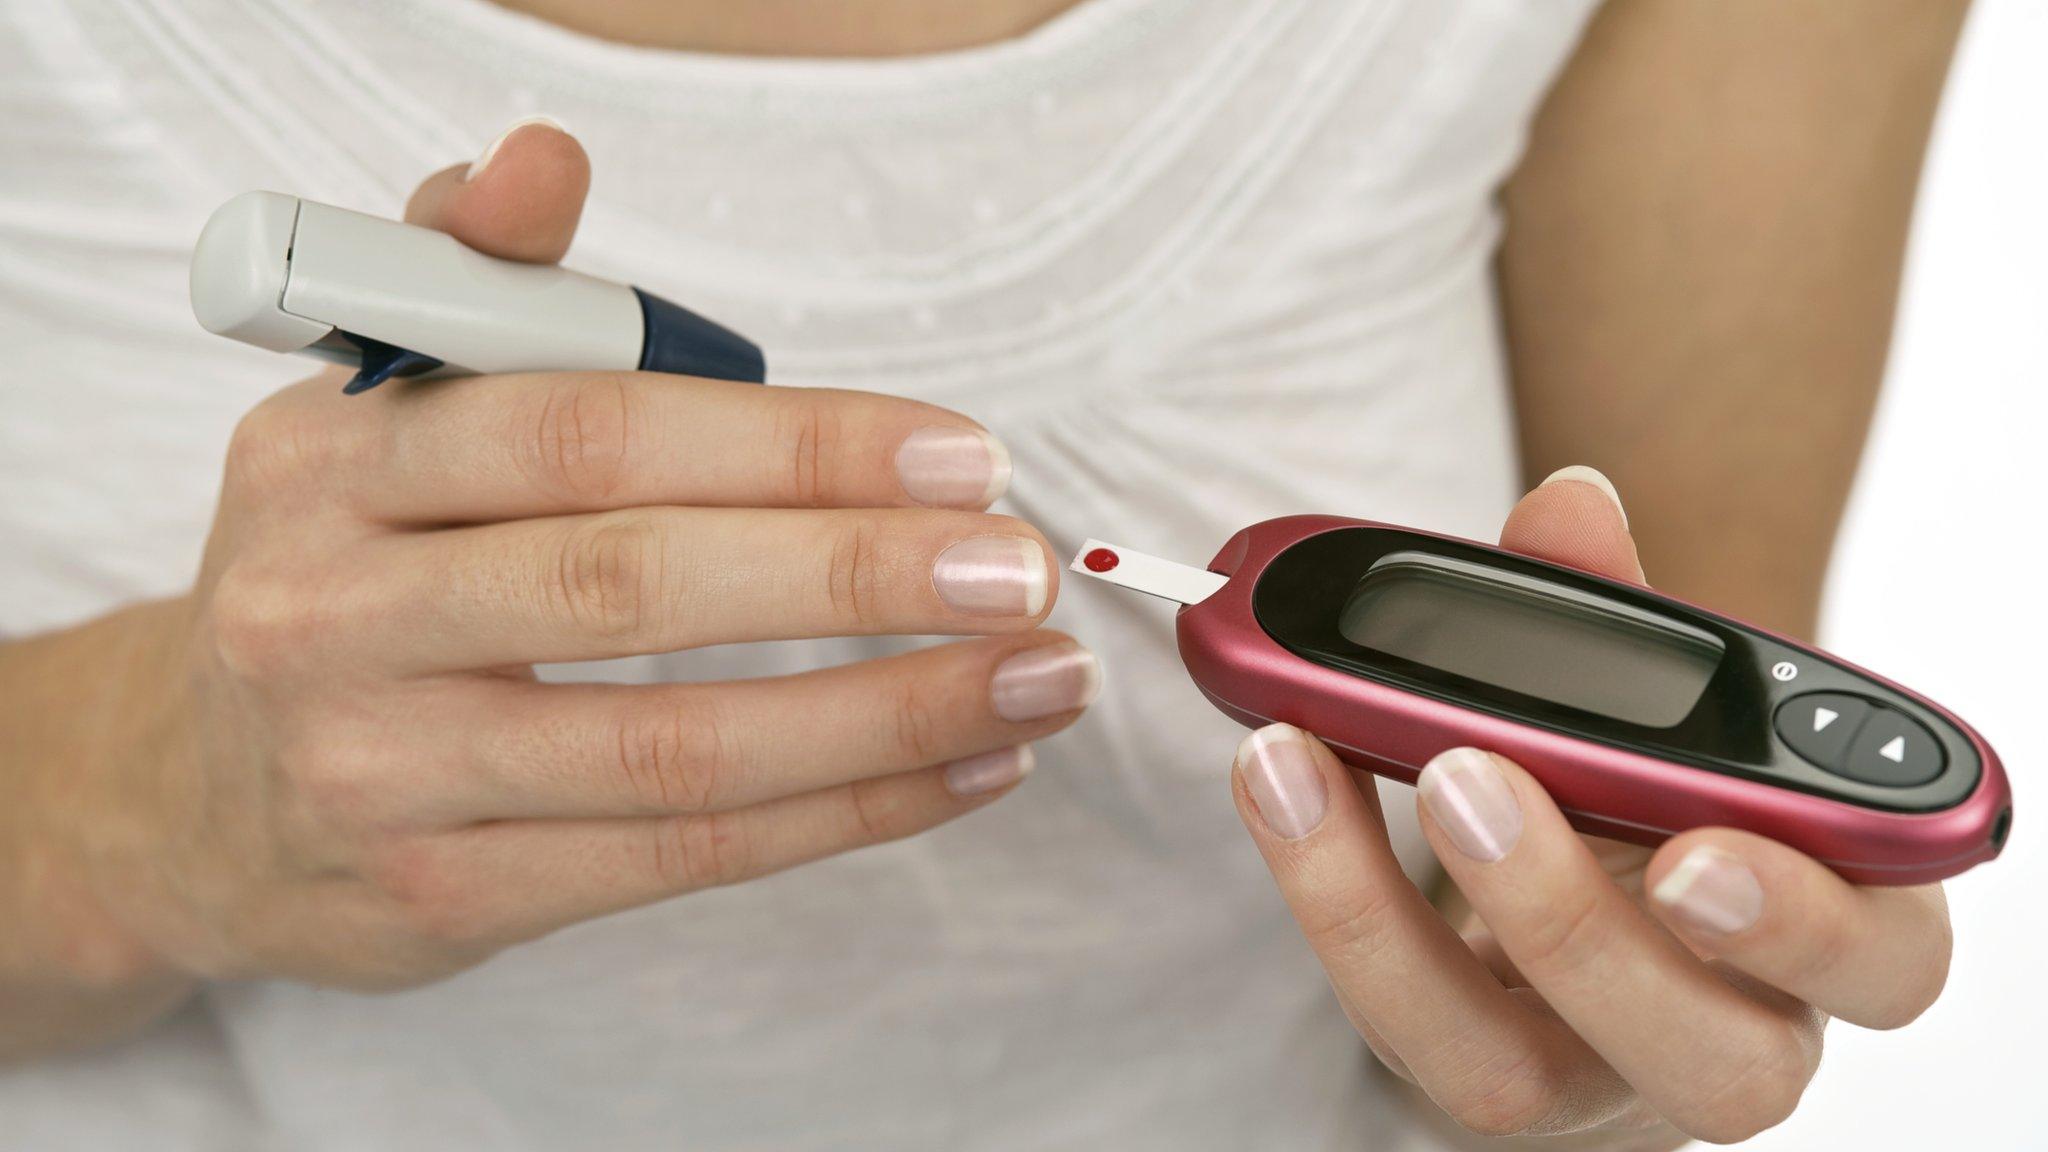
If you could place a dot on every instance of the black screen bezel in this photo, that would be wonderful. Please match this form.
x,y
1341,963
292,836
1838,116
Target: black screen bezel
x,y
1300,593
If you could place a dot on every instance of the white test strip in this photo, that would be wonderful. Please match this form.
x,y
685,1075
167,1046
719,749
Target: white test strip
x,y
1131,569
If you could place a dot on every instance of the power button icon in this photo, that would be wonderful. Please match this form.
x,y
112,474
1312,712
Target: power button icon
x,y
1784,670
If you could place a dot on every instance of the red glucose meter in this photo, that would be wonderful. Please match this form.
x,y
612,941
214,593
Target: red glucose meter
x,y
1642,715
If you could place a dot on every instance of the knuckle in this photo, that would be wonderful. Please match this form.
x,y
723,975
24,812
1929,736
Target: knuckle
x,y
682,758
1562,939
917,725
814,431
113,963
582,437
608,575
271,444
1760,1092
1822,949
1508,1096
259,619
283,441
1829,952
691,853
1352,924
404,873
426,894
875,814
853,576
330,789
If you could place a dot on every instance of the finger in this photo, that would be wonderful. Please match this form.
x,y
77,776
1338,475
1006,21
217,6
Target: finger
x,y
1402,975
1457,912
1877,957
519,200
500,882
665,579
590,750
1575,517
505,447
1479,939
1721,1065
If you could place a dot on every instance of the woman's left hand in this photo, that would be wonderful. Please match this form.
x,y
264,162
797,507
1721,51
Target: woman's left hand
x,y
1593,986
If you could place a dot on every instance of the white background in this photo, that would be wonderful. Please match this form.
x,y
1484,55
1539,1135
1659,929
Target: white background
x,y
1940,579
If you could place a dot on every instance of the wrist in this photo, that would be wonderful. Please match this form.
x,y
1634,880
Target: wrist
x,y
89,721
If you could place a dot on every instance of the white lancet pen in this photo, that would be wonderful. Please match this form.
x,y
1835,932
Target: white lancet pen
x,y
392,299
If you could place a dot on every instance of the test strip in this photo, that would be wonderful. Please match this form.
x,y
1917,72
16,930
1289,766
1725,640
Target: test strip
x,y
1151,575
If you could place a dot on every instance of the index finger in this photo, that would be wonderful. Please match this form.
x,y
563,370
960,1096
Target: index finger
x,y
511,447
1401,973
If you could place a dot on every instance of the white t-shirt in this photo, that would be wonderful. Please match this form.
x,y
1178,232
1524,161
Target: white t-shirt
x,y
1197,263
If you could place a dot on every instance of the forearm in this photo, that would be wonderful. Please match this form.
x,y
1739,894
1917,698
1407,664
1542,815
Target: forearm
x,y
1702,256
71,974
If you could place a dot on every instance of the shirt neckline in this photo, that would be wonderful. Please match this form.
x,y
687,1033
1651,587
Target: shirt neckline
x,y
480,27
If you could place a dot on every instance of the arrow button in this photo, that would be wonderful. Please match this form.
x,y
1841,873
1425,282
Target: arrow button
x,y
1819,725
1894,750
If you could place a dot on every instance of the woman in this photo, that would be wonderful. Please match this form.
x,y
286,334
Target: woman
x,y
1183,266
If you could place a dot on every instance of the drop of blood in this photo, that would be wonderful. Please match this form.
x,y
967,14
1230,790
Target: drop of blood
x,y
1100,560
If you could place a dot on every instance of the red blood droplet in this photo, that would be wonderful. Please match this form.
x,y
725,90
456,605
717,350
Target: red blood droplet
x,y
1100,560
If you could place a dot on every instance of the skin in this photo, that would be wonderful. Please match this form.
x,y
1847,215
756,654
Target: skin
x,y
345,701
800,27
1698,275
1699,271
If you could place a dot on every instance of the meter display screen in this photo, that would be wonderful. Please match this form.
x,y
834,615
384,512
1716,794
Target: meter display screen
x,y
1547,641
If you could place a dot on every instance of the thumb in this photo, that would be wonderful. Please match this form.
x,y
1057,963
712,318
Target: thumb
x,y
519,200
1574,517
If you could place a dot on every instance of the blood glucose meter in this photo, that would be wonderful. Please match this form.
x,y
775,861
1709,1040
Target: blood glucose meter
x,y
1642,715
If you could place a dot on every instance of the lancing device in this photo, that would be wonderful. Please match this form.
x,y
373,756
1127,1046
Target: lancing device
x,y
391,299
1643,716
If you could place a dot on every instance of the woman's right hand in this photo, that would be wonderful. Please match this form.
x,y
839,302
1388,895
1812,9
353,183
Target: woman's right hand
x,y
350,775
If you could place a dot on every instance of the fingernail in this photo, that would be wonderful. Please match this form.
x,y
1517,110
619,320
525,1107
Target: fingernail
x,y
992,576
1045,682
1711,891
989,771
1581,474
477,166
1284,781
953,467
1472,802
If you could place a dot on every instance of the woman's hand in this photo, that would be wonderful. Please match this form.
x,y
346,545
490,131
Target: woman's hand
x,y
1564,1000
333,761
